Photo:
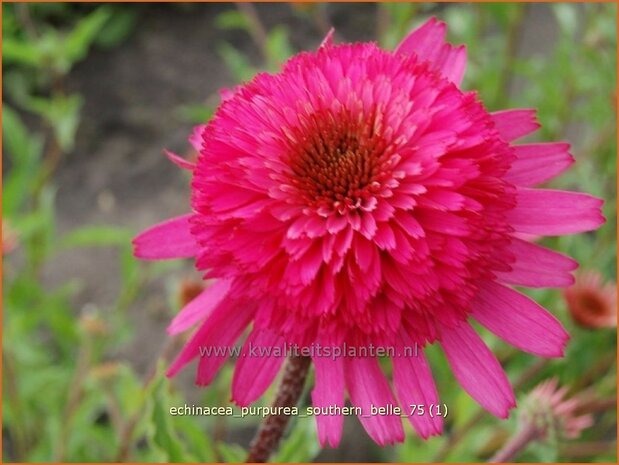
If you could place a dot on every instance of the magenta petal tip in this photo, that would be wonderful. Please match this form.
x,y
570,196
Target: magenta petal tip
x,y
179,161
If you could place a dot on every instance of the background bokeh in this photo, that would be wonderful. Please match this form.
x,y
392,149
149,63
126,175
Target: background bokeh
x,y
92,93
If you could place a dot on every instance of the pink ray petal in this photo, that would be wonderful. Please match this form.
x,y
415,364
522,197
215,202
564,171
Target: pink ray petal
x,y
217,334
195,139
261,358
428,43
477,369
451,62
179,161
551,212
414,384
519,320
200,307
537,266
425,40
368,387
169,239
537,163
328,40
329,391
514,124
226,94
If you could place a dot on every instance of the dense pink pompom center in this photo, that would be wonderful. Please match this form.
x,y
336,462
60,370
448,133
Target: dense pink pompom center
x,y
355,192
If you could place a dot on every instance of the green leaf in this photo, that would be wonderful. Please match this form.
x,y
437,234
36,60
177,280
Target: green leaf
x,y
231,453
464,406
200,443
236,62
129,268
79,40
503,13
18,52
20,144
195,114
400,21
97,236
414,450
164,436
10,26
19,85
301,445
278,46
231,19
55,59
43,238
567,17
544,451
62,113
119,26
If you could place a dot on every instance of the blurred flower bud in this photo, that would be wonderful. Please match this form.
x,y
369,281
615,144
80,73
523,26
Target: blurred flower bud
x,y
92,324
106,371
545,413
188,290
592,302
551,413
10,239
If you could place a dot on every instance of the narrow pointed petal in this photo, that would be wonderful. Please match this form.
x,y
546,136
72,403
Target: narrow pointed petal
x,y
425,41
201,307
328,40
368,387
261,358
514,124
329,391
451,62
537,266
519,320
226,94
179,161
551,212
537,163
428,43
223,334
414,385
213,340
477,369
170,239
196,140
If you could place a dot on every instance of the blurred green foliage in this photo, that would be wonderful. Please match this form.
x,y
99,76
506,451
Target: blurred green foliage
x,y
65,401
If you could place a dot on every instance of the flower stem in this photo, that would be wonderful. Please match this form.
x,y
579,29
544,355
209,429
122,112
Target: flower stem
x,y
515,445
256,29
272,428
513,36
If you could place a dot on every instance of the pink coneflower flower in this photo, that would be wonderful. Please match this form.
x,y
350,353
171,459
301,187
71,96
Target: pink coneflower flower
x,y
592,302
360,197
